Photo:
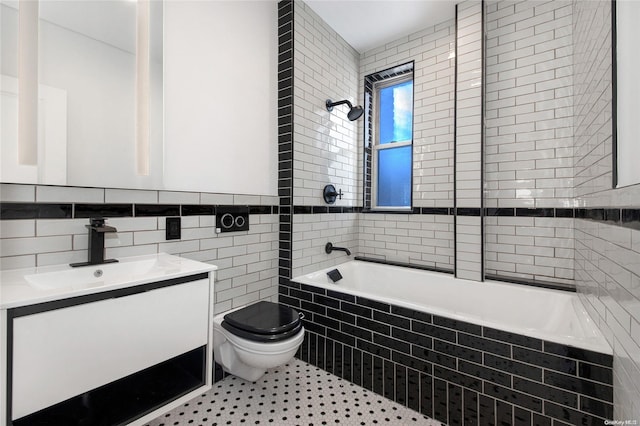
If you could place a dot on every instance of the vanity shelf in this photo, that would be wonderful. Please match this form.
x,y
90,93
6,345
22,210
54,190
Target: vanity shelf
x,y
120,356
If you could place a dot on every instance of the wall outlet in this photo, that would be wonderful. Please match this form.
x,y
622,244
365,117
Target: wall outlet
x,y
173,228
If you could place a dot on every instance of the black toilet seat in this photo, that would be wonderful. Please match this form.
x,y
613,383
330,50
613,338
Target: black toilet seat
x,y
263,322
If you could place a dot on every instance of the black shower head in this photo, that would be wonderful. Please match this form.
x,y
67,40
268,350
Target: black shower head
x,y
354,111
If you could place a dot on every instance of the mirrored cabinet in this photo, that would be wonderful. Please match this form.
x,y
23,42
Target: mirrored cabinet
x,y
82,93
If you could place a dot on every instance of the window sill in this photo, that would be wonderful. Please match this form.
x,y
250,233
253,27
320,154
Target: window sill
x,y
392,210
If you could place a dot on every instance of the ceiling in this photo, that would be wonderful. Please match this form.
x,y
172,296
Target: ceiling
x,y
367,24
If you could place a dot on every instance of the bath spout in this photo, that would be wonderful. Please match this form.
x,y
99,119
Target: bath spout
x,y
329,247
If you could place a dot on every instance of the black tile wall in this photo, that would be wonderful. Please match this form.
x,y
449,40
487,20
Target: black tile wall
x,y
453,371
285,135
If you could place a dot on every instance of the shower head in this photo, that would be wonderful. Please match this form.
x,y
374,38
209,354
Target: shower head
x,y
354,111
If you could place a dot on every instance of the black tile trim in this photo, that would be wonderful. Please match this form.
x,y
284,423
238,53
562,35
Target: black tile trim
x,y
198,209
404,265
154,210
455,146
625,217
103,210
468,211
286,71
17,211
11,211
483,90
535,283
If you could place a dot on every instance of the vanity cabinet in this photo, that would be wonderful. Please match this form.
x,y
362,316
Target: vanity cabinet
x,y
76,357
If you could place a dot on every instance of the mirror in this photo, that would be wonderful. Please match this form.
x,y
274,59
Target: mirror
x,y
99,93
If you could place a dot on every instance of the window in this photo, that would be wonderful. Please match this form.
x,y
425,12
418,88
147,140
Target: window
x,y
391,142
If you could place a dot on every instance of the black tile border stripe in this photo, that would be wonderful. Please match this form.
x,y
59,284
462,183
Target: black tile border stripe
x,y
535,283
17,211
625,217
11,211
403,264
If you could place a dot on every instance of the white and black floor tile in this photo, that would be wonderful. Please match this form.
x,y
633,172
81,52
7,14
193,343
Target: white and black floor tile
x,y
294,394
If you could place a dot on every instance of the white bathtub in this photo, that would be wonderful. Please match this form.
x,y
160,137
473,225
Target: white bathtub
x,y
552,315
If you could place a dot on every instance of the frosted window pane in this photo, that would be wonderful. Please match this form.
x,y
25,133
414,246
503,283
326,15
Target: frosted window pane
x,y
396,113
394,177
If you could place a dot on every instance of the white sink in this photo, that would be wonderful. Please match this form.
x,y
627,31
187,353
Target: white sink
x,y
95,275
21,287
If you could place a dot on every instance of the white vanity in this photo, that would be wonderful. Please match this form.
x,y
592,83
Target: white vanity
x,y
106,344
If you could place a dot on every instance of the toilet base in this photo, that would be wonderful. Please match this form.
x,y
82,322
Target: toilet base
x,y
231,364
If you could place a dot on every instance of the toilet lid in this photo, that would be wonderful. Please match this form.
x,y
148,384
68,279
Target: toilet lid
x,y
264,318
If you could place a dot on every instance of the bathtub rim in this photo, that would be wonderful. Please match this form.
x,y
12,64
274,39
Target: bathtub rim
x,y
597,343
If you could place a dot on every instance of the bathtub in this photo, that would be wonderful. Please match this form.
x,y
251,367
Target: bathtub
x,y
458,351
549,315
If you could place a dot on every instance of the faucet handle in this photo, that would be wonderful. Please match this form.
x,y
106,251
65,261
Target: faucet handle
x,y
97,222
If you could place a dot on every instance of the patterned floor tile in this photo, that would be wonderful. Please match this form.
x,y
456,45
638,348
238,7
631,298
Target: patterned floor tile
x,y
294,394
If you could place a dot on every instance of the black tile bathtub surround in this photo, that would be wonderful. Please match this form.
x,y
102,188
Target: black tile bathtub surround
x,y
453,371
107,210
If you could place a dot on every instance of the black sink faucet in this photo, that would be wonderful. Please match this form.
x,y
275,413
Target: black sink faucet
x,y
97,229
329,247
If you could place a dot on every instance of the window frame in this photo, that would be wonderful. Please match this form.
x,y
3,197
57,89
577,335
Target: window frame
x,y
624,173
376,146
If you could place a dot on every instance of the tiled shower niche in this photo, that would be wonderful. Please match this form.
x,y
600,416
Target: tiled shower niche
x,y
452,371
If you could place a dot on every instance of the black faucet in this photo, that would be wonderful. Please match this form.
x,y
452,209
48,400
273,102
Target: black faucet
x,y
329,247
97,229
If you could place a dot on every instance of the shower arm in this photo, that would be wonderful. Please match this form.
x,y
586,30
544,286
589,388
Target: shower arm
x,y
331,104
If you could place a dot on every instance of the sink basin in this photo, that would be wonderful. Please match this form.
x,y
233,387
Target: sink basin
x,y
21,287
92,276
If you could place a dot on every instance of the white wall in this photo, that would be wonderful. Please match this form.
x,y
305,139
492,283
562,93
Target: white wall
x,y
607,257
529,138
220,96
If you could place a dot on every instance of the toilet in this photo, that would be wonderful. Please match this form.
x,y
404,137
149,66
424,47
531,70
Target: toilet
x,y
249,340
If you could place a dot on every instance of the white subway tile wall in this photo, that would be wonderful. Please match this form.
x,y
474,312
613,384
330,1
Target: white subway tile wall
x,y
528,139
326,143
469,107
529,248
433,53
468,140
417,239
592,99
607,264
311,232
529,107
247,260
